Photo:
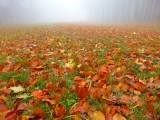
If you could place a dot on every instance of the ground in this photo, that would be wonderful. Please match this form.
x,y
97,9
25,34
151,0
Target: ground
x,y
74,72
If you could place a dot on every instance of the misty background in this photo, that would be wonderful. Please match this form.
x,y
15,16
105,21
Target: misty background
x,y
79,11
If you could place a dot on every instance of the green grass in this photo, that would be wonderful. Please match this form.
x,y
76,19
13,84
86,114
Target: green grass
x,y
95,103
146,74
139,113
2,61
8,75
24,77
41,84
48,110
69,100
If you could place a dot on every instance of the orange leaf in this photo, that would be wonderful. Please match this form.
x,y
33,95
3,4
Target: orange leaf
x,y
83,93
37,93
118,116
126,111
81,108
76,118
17,67
60,110
38,67
7,68
39,113
151,108
124,87
98,115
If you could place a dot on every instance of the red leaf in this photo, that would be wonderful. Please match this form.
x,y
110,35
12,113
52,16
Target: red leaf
x,y
151,108
81,108
59,110
126,111
1,67
39,113
7,91
11,115
22,106
50,86
3,108
83,93
57,98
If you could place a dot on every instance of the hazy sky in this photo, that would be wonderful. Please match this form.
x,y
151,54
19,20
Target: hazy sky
x,y
89,11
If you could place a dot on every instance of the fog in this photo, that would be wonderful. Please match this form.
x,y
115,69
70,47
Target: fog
x,y
79,11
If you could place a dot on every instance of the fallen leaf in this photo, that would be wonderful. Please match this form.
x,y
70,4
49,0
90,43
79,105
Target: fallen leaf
x,y
59,110
3,108
38,113
98,115
12,115
151,108
118,116
17,89
83,93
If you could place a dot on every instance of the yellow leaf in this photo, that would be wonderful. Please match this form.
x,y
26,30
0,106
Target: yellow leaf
x,y
79,65
69,54
119,69
118,116
17,89
98,115
70,64
62,51
25,117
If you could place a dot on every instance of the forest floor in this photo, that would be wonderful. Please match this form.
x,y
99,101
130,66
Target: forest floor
x,y
80,73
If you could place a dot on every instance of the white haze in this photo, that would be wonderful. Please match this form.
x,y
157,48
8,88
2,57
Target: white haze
x,y
79,11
